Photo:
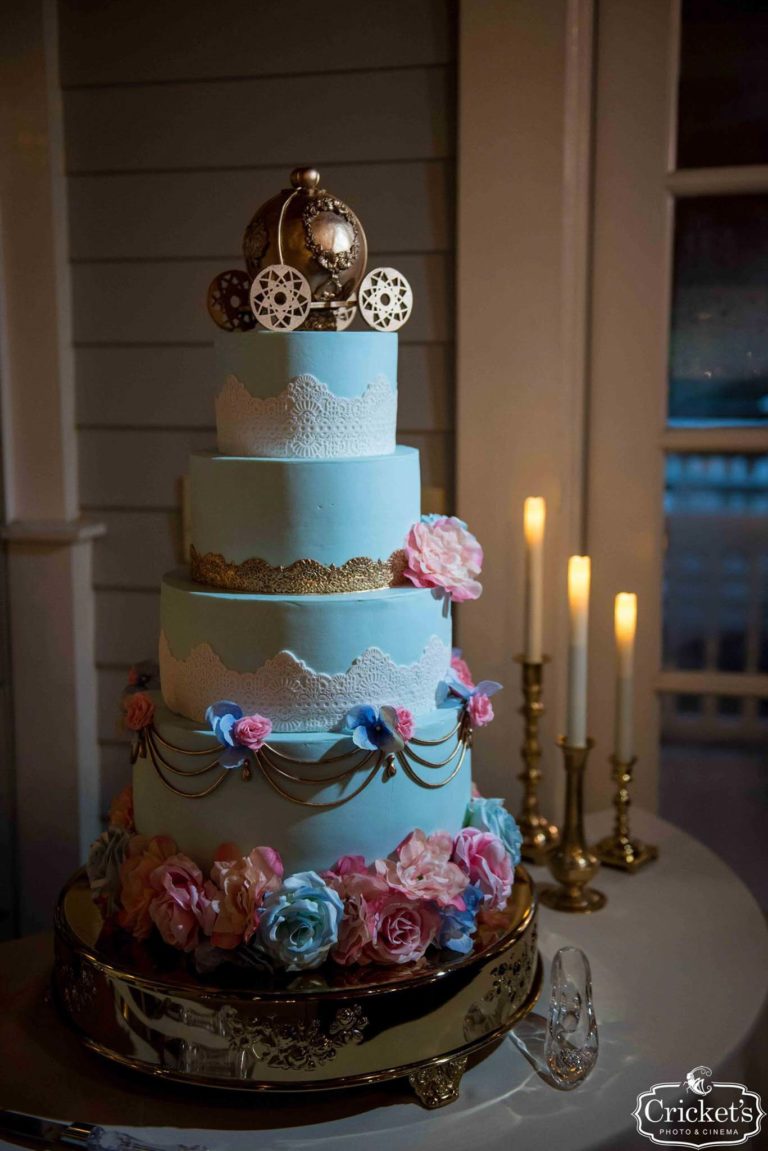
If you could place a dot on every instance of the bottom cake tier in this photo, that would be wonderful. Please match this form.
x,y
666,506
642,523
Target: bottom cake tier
x,y
312,797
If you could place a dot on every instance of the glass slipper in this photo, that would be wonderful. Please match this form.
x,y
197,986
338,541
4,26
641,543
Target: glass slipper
x,y
563,1048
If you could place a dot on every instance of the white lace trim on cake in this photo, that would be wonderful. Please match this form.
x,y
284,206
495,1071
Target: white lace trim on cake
x,y
306,419
295,697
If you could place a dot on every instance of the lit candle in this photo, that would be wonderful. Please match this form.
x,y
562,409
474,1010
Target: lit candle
x,y
625,627
578,604
534,517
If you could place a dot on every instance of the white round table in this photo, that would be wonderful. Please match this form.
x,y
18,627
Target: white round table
x,y
680,972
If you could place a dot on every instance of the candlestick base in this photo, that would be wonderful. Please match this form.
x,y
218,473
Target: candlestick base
x,y
625,854
539,835
580,900
572,863
619,850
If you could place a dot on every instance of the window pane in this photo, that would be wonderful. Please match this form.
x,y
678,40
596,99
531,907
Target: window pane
x,y
718,793
718,348
723,92
716,563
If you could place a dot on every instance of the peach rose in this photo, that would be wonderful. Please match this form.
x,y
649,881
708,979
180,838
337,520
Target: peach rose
x,y
236,891
136,894
138,711
423,869
121,810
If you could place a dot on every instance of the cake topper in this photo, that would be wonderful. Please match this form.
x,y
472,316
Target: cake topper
x,y
305,254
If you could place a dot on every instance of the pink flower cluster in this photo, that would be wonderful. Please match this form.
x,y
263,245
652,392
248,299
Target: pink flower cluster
x,y
163,888
392,907
442,553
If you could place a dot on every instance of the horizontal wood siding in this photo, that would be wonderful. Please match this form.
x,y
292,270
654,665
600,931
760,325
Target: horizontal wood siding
x,y
180,120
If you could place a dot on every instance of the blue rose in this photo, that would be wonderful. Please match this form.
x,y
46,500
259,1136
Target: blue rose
x,y
491,815
300,923
221,717
374,729
458,927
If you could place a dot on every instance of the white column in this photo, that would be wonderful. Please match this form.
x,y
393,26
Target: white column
x,y
49,547
522,278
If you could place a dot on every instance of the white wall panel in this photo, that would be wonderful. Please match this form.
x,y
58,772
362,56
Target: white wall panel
x,y
125,41
399,115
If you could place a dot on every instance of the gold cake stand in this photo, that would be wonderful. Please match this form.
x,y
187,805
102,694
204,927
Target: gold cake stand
x,y
319,1030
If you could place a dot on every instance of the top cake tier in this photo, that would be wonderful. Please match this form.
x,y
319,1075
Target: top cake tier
x,y
317,395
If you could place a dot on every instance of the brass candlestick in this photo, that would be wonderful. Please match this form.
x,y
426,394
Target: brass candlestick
x,y
539,835
571,862
620,850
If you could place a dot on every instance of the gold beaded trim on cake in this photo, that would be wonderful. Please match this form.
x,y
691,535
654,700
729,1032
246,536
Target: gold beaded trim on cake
x,y
302,577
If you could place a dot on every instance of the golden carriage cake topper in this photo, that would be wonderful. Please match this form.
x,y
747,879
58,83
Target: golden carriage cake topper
x,y
305,257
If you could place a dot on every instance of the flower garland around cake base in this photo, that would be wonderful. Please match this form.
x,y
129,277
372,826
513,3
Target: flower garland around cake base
x,y
431,891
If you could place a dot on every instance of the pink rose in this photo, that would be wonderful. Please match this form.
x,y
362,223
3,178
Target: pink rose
x,y
405,726
121,810
423,869
442,553
461,668
136,893
404,930
252,731
236,889
362,893
480,710
138,711
346,865
484,860
179,905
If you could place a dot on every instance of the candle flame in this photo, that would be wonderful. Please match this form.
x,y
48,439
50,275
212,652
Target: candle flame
x,y
625,616
534,518
579,571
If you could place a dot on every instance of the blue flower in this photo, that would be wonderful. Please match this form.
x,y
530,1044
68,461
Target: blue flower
x,y
457,927
300,923
222,717
456,686
374,729
491,815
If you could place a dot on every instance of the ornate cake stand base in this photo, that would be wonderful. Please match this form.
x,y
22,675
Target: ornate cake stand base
x,y
319,1030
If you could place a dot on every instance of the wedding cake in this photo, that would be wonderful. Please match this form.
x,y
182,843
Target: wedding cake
x,y
301,770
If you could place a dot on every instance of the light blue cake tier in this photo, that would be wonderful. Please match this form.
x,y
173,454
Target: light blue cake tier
x,y
280,511
252,813
317,394
303,661
346,362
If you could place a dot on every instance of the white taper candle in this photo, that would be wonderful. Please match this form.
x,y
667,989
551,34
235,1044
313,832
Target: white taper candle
x,y
579,571
625,628
534,518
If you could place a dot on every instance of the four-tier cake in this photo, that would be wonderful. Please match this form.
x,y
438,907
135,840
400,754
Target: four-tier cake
x,y
301,772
